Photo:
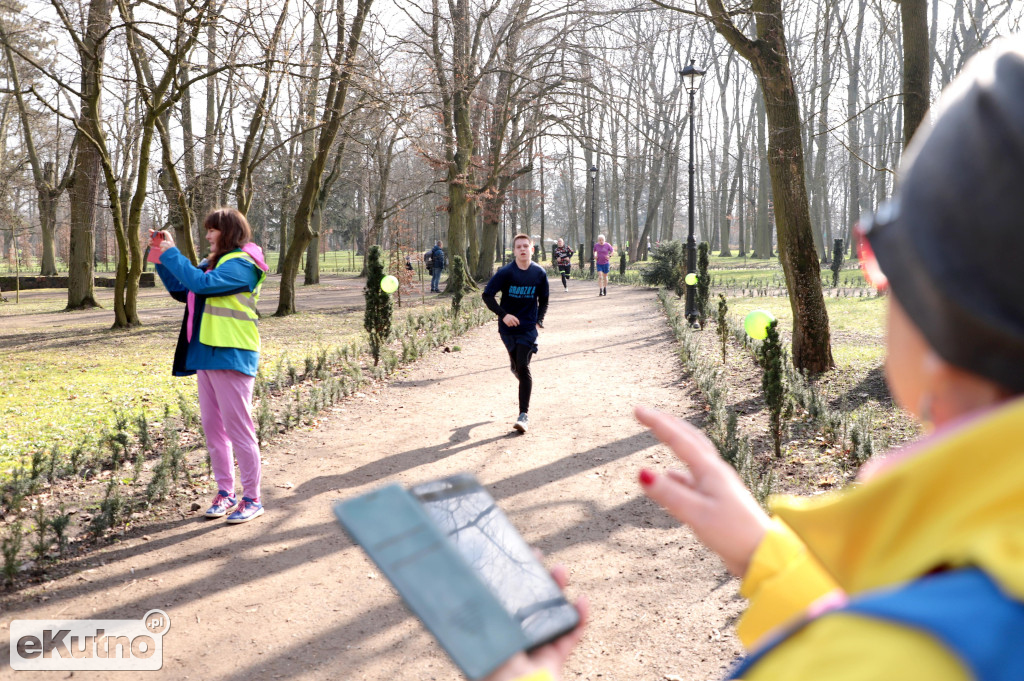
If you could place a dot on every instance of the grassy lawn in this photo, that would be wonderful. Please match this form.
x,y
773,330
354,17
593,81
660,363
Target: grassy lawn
x,y
60,387
330,262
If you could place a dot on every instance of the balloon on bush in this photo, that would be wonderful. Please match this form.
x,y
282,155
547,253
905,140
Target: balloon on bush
x,y
389,284
756,324
691,279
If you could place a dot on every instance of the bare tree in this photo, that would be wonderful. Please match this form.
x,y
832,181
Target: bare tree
x,y
768,54
344,61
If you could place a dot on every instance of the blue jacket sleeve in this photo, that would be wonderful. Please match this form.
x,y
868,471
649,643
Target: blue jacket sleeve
x,y
232,276
542,298
171,283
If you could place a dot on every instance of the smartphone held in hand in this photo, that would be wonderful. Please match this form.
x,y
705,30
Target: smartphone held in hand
x,y
155,240
462,568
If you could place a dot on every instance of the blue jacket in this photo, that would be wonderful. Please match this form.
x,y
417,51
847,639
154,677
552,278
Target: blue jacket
x,y
437,253
180,277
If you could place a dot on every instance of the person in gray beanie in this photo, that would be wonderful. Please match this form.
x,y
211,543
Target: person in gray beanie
x,y
917,572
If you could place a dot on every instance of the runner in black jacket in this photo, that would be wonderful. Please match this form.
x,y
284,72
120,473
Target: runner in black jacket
x,y
563,259
524,301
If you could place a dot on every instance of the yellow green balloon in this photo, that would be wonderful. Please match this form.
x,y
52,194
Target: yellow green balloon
x,y
756,324
691,279
389,284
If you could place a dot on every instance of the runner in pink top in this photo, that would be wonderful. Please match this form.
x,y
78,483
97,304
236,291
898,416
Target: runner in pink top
x,y
603,253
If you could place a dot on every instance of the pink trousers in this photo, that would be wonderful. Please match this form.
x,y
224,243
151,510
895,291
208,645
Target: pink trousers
x,y
225,406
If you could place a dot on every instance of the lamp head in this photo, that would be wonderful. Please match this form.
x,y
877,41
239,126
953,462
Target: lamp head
x,y
692,76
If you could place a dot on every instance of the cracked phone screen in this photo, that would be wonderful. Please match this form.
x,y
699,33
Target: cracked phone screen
x,y
489,542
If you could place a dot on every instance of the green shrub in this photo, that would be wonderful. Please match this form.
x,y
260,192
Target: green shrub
x,y
772,385
379,308
703,282
41,545
837,261
11,547
723,324
54,464
667,268
142,431
59,524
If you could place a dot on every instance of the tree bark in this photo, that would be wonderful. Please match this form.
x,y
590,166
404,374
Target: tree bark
x,y
768,55
916,66
86,178
342,68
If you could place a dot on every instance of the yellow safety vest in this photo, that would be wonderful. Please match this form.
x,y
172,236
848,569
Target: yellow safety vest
x,y
229,321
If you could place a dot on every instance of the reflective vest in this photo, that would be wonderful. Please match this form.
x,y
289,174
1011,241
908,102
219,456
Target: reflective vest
x,y
229,321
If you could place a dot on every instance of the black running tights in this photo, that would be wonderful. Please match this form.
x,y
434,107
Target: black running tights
x,y
520,359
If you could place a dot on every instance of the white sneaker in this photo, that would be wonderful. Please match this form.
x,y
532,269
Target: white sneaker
x,y
522,423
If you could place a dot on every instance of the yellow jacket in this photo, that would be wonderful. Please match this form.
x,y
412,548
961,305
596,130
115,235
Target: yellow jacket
x,y
954,499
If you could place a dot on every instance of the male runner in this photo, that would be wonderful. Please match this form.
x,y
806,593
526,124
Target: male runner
x,y
603,252
563,259
524,301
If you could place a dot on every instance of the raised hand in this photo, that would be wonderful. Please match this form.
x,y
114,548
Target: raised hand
x,y
709,496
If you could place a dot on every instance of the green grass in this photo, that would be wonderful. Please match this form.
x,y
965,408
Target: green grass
x,y
857,325
331,262
62,386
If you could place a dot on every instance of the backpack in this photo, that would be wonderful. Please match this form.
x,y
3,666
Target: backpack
x,y
428,260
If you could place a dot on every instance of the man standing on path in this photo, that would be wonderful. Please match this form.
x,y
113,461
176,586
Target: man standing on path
x,y
563,259
524,302
603,252
436,267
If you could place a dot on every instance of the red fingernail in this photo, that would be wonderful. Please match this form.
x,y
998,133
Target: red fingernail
x,y
646,478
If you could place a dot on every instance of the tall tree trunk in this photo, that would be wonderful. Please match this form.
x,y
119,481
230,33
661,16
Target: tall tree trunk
x,y
86,179
916,65
769,57
342,69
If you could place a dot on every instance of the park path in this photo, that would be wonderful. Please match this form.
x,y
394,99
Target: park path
x,y
288,596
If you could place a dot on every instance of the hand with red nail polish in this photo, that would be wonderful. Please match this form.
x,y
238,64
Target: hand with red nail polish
x,y
709,496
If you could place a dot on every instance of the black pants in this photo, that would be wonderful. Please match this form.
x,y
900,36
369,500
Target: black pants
x,y
520,360
564,269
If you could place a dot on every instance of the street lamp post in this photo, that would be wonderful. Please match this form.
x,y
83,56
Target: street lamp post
x,y
691,77
593,214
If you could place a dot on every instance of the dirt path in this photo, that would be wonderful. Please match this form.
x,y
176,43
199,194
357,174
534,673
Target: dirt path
x,y
289,597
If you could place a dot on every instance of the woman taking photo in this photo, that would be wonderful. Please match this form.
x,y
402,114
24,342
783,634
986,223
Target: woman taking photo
x,y
219,342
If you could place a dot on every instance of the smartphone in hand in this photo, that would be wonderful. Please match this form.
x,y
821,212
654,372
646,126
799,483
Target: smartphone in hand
x,y
462,568
155,239
487,540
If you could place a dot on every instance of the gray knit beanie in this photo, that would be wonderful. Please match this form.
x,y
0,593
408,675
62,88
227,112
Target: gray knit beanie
x,y
951,242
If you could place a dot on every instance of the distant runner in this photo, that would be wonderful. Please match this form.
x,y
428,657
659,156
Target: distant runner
x,y
563,260
603,252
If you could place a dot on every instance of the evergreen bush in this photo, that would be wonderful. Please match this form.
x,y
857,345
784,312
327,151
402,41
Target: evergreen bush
x,y
11,547
59,524
703,282
837,261
723,324
772,385
667,268
41,545
377,317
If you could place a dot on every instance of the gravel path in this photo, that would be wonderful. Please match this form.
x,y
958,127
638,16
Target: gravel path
x,y
289,597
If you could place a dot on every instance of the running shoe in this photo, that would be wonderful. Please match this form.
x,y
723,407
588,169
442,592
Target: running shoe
x,y
247,510
222,503
522,423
